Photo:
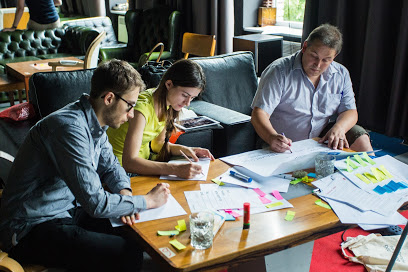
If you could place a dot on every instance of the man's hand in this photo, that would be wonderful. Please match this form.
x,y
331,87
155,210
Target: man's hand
x,y
129,219
336,138
279,143
158,196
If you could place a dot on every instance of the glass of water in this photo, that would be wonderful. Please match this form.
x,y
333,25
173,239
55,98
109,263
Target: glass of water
x,y
324,165
201,229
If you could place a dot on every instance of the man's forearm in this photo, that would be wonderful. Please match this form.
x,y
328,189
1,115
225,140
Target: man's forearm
x,y
347,119
262,125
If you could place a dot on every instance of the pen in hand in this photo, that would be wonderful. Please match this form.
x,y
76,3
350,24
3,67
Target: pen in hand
x,y
283,134
187,158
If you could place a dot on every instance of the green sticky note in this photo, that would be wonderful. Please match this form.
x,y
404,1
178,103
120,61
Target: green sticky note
x,y
296,181
274,204
217,181
177,244
181,225
351,163
378,174
321,204
359,160
368,159
167,232
290,215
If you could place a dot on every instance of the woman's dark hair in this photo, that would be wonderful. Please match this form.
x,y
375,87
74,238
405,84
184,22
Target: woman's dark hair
x,y
183,73
116,76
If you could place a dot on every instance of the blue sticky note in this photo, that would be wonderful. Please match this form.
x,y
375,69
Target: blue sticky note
x,y
229,217
388,189
312,175
403,184
380,190
393,185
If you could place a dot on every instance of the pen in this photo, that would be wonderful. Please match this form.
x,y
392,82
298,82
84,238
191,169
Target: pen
x,y
187,158
240,176
283,134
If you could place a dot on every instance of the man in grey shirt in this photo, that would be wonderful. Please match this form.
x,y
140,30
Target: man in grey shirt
x,y
298,94
54,209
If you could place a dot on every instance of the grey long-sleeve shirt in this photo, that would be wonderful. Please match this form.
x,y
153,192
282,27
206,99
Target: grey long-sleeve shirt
x,y
62,162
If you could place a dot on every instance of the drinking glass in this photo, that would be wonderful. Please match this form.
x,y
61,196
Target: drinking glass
x,y
201,229
324,165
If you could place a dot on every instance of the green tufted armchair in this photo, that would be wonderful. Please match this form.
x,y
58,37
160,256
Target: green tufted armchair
x,y
145,29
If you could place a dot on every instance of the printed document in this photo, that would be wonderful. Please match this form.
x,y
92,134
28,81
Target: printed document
x,y
266,163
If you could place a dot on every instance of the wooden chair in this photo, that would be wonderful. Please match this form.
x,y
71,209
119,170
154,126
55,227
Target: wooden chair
x,y
198,45
91,56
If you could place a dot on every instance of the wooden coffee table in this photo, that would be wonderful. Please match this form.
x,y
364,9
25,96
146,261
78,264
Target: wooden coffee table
x,y
23,70
9,84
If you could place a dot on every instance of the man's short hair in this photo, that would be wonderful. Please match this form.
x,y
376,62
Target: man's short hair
x,y
327,34
115,76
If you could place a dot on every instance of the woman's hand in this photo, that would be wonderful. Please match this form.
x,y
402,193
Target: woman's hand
x,y
129,219
195,152
187,170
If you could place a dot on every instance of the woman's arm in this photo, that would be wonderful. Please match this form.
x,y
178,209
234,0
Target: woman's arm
x,y
134,164
17,17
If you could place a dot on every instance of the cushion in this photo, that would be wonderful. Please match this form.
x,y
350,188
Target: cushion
x,y
19,112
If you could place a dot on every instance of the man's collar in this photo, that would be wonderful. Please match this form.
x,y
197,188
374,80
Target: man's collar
x,y
92,120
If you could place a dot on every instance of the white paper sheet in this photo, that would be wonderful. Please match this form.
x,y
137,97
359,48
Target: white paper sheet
x,y
266,163
398,170
337,187
170,209
205,165
232,198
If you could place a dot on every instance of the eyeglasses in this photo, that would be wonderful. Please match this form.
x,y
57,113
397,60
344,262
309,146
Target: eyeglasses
x,y
130,105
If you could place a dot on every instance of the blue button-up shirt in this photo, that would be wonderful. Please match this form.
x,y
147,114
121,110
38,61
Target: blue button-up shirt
x,y
297,108
62,163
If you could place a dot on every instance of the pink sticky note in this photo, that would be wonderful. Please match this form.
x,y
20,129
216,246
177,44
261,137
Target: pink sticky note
x,y
228,210
277,195
235,214
264,200
259,192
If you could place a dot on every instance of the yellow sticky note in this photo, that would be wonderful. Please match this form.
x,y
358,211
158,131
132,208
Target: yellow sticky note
x,y
181,225
359,160
378,174
274,204
368,159
370,177
177,244
217,181
167,232
296,181
321,204
363,178
385,171
290,215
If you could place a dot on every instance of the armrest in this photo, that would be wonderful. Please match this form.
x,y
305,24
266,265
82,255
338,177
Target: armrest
x,y
223,115
114,53
143,58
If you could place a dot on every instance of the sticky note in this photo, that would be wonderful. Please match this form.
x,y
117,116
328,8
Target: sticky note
x,y
395,186
177,244
321,204
368,159
217,181
380,190
229,217
167,232
167,252
277,195
359,160
276,204
312,175
363,178
290,215
378,174
264,200
389,189
403,184
370,177
306,179
385,171
259,192
295,181
181,225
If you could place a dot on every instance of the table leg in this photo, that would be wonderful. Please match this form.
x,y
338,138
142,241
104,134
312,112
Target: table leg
x,y
26,86
11,98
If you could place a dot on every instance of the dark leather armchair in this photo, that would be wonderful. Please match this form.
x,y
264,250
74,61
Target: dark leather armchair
x,y
145,29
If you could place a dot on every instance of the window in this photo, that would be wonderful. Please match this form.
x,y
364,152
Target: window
x,y
290,13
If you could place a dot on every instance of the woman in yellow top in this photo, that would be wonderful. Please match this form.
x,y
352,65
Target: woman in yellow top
x,y
153,124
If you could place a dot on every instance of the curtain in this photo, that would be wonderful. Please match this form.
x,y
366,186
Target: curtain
x,y
210,17
375,51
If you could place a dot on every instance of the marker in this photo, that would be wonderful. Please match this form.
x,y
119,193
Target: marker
x,y
187,158
283,134
246,215
240,176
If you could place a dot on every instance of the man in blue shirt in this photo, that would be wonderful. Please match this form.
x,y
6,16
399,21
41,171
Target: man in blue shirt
x,y
54,209
298,94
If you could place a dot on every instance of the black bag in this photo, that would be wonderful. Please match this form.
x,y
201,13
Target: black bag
x,y
152,71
